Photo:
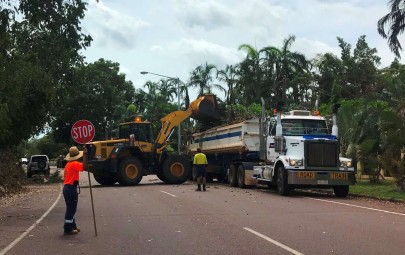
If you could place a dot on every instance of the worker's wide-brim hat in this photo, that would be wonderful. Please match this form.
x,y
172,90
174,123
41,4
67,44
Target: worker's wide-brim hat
x,y
74,154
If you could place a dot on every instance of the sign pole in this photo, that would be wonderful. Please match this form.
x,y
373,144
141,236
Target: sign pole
x,y
91,191
82,132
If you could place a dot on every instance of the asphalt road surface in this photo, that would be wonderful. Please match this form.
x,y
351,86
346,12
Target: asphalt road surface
x,y
155,218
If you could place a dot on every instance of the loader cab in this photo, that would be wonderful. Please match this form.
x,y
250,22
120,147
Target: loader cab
x,y
142,131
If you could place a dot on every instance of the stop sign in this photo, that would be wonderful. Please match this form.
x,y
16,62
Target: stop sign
x,y
83,131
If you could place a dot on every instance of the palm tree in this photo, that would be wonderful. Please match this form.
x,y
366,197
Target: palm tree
x,y
168,88
202,76
251,75
395,20
286,67
230,77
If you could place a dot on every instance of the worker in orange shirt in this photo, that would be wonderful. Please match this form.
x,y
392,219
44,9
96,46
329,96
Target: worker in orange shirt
x,y
71,180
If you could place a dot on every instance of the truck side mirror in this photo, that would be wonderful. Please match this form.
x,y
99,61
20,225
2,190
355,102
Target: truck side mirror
x,y
279,144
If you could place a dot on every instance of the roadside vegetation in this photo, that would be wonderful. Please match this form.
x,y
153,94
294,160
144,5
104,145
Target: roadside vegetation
x,y
384,189
43,70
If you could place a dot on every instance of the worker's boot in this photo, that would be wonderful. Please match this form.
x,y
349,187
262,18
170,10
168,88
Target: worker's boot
x,y
204,187
199,188
72,232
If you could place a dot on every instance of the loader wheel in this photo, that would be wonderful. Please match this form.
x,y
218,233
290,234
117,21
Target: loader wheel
x,y
341,191
105,180
176,170
241,177
282,182
130,171
232,176
160,176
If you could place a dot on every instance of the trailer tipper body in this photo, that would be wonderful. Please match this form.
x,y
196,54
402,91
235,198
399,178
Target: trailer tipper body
x,y
295,149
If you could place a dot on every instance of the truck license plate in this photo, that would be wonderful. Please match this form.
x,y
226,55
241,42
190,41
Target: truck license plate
x,y
306,175
339,176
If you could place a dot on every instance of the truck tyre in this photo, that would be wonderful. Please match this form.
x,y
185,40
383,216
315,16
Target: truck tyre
x,y
241,177
105,180
232,176
282,182
341,191
176,170
130,171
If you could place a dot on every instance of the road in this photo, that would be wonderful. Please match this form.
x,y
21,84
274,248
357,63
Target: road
x,y
154,218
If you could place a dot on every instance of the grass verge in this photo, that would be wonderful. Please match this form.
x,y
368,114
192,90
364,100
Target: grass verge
x,y
385,189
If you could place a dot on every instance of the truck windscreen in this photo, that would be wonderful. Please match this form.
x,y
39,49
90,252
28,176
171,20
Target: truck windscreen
x,y
299,127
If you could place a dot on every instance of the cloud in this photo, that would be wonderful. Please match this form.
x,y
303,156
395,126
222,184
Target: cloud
x,y
112,28
196,50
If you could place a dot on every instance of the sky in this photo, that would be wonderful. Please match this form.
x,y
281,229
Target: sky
x,y
173,37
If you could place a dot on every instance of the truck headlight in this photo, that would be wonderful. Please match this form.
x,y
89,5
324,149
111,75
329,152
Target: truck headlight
x,y
346,164
296,162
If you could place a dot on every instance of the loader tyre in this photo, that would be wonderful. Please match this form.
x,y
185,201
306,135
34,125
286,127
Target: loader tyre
x,y
129,172
282,182
160,176
241,177
176,170
105,180
232,176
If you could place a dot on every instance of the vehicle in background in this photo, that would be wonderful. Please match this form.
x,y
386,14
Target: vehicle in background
x,y
294,149
135,153
23,161
38,164
61,162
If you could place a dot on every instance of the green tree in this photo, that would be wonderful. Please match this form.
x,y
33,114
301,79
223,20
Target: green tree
x,y
101,94
394,20
202,77
230,77
40,42
286,69
251,76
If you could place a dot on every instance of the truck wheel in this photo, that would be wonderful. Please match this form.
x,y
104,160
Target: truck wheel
x,y
241,177
341,191
130,171
232,176
282,182
104,180
176,170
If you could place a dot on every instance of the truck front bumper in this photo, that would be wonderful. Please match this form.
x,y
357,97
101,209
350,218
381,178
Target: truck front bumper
x,y
326,178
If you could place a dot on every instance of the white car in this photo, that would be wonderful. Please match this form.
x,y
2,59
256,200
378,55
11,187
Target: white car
x,y
38,164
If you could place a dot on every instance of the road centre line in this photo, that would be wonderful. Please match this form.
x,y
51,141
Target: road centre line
x,y
273,241
16,241
358,206
165,193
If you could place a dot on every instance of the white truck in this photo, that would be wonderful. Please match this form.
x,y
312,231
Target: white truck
x,y
295,149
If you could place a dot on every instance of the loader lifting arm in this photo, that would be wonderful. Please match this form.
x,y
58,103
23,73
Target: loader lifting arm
x,y
204,107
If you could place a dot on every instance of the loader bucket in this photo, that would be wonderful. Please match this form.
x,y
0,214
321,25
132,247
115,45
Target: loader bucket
x,y
207,109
